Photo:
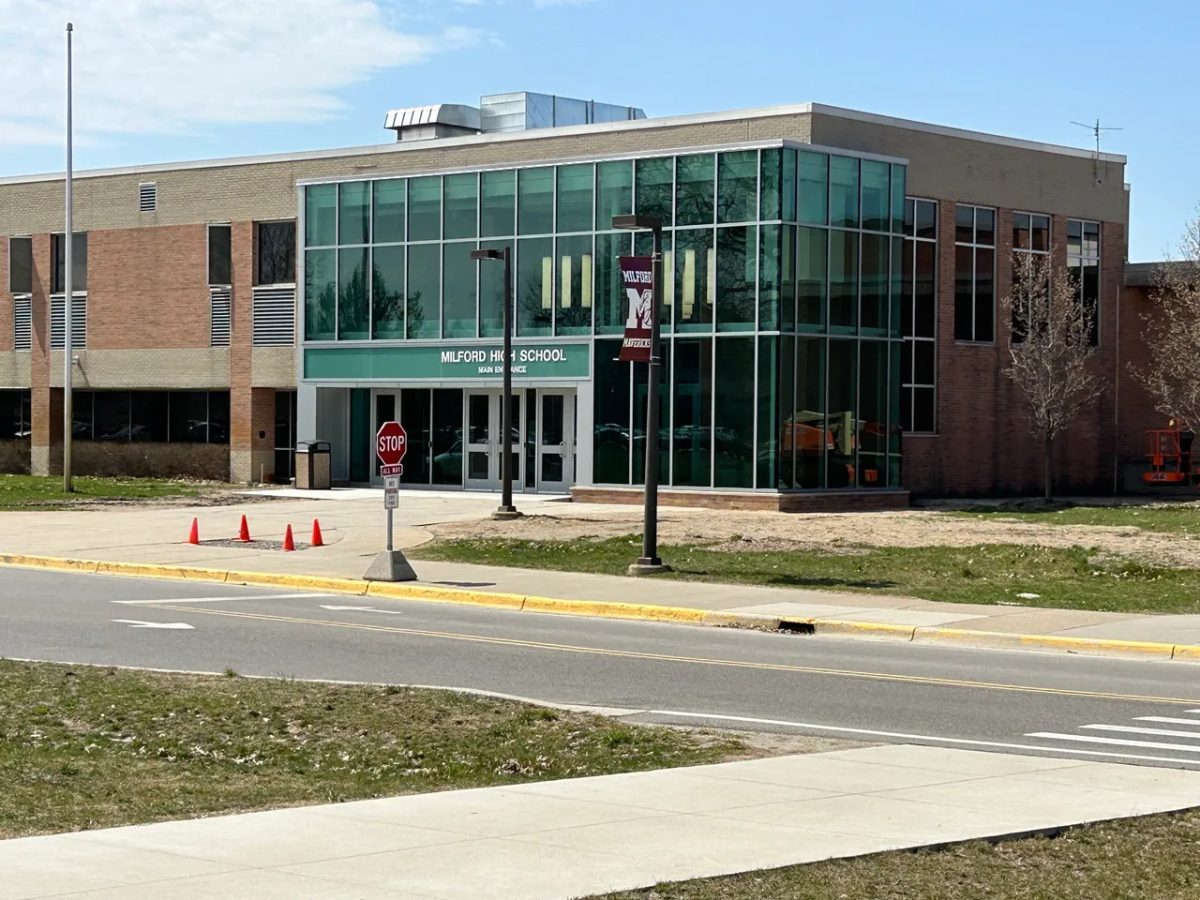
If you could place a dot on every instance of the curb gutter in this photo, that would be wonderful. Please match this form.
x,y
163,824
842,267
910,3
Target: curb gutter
x,y
616,610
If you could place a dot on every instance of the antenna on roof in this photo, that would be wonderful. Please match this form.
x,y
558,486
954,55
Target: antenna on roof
x,y
1098,131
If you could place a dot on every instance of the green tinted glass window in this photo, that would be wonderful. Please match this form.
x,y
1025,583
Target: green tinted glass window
x,y
354,212
770,250
387,293
843,386
843,281
535,201
814,188
614,192
770,180
498,208
643,245
610,415
876,199
458,289
737,277
811,264
695,280
899,177
424,290
353,303
872,417
843,192
461,198
654,186
535,286
425,209
768,408
806,429
789,185
574,290
737,186
694,189
691,402
320,215
389,211
575,198
320,294
873,316
610,295
491,292
733,414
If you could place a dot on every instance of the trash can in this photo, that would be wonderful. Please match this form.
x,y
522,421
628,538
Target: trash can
x,y
313,465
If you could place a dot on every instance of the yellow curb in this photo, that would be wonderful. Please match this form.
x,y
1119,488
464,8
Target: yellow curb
x,y
735,620
149,570
1002,640
611,610
49,562
394,591
1186,652
883,630
302,582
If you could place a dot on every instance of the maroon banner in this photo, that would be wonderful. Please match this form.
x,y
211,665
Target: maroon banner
x,y
637,276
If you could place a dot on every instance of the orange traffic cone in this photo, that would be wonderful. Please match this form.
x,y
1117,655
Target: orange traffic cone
x,y
288,543
194,533
244,531
317,540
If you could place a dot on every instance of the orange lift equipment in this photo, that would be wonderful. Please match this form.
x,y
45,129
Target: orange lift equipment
x,y
1169,451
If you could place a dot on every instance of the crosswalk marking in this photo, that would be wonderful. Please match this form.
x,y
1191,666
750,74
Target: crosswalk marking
x,y
1088,739
1168,720
1133,729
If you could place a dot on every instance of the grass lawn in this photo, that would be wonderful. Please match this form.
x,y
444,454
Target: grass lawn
x,y
46,492
1153,858
85,747
1180,519
987,573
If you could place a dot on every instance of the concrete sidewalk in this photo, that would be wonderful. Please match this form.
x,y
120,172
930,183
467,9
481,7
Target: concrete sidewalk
x,y
578,837
351,522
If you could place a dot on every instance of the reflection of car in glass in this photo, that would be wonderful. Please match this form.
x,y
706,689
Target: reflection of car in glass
x,y
837,436
448,463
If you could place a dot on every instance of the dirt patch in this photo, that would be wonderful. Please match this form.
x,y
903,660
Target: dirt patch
x,y
847,533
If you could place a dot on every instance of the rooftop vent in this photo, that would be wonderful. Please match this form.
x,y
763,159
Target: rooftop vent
x,y
424,123
498,113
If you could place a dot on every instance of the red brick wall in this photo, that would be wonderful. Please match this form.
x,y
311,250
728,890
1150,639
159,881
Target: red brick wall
x,y
1136,408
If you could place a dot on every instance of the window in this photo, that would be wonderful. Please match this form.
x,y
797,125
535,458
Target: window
x,y
78,263
276,262
14,415
918,317
974,274
145,416
20,265
1083,262
147,197
1031,234
220,266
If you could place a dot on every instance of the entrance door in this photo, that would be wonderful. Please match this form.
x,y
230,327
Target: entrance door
x,y
484,442
556,441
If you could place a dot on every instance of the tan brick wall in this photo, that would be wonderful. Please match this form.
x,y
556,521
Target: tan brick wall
x,y
14,369
152,368
273,367
6,305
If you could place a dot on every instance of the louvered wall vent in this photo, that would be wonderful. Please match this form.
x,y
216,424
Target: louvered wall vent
x,y
274,316
220,303
23,323
147,196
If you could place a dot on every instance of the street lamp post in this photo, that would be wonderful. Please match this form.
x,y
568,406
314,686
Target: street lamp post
x,y
506,510
68,249
650,563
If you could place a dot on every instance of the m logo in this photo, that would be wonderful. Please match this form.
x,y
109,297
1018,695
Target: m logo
x,y
637,275
640,303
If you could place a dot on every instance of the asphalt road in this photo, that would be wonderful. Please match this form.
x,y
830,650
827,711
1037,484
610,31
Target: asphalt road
x,y
1047,703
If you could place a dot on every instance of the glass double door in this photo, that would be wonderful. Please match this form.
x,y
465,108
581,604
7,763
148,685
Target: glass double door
x,y
540,442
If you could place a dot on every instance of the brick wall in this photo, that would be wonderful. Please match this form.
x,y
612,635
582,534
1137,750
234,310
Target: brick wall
x,y
6,305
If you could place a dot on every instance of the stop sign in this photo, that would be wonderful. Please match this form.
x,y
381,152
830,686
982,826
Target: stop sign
x,y
391,443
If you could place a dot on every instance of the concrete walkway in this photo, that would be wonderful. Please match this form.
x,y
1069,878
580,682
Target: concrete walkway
x,y
352,525
583,836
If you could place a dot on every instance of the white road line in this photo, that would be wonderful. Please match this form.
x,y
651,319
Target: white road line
x,y
171,626
388,612
214,599
1087,739
1133,729
913,737
1167,720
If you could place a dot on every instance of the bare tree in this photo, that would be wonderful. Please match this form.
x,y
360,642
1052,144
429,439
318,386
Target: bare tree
x,y
1051,349
1172,333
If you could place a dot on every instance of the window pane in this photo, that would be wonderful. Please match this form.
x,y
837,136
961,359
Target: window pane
x,y
964,224
610,439
770,276
389,211
498,213
535,285
387,293
460,205
694,190
922,409
695,272
925,295
814,188
320,294
535,201
843,281
926,219
614,195
769,408
643,245
872,418
876,199
1091,239
575,285
111,415
733,425
985,227
692,408
1041,233
276,253
1074,237
737,187
424,209
666,411
736,278
447,436
874,303
424,290
189,416
787,278
899,178
415,413
220,266
575,198
491,291
354,212
81,416
148,416
789,185
654,186
897,286
811,257
353,301
985,265
610,294
770,180
922,361
964,296
458,276
320,215
806,430
843,384
1021,235
843,192
20,265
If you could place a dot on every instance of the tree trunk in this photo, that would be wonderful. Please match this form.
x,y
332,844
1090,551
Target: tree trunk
x,y
1046,470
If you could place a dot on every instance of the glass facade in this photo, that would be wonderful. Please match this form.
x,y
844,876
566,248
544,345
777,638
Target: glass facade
x,y
782,318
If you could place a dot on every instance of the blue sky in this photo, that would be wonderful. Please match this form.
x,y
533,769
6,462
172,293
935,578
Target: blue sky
x,y
162,80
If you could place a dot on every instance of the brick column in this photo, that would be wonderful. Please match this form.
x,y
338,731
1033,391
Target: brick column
x,y
45,402
251,409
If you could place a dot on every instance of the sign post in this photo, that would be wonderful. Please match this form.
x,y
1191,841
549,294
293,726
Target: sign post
x,y
391,443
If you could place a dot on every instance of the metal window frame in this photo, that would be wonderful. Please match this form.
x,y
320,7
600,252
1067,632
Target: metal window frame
x,y
975,248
